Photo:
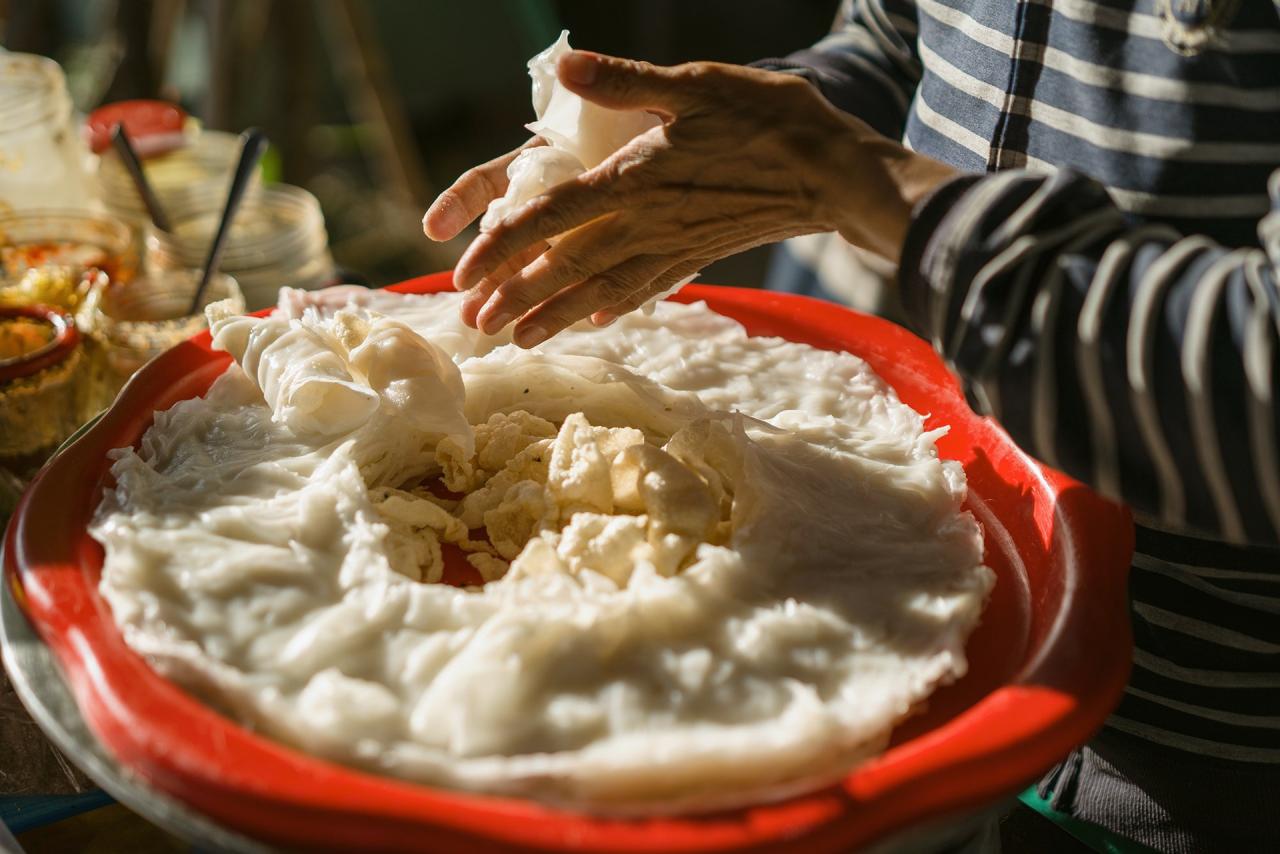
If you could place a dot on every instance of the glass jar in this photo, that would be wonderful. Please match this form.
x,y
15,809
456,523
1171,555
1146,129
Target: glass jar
x,y
42,361
132,323
277,240
42,157
80,243
189,176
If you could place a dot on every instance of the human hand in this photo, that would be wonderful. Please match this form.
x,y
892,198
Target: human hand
x,y
744,157
467,198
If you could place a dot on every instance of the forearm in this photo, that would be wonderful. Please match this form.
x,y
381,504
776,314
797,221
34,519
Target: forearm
x,y
1135,359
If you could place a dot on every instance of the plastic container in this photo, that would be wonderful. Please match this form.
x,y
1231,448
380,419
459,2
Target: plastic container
x,y
1047,664
133,323
42,363
191,175
153,127
277,239
42,157
81,241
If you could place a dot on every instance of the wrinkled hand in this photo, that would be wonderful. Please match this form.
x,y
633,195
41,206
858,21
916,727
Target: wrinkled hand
x,y
468,197
744,157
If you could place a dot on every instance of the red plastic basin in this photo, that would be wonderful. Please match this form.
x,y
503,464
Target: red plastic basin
x,y
1047,664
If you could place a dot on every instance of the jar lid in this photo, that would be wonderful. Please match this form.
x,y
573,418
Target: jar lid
x,y
154,127
63,339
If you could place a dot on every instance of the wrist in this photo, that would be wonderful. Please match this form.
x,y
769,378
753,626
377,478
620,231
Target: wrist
x,y
875,186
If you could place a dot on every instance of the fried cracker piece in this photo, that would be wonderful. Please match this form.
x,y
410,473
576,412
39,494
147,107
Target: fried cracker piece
x,y
578,478
506,434
522,512
531,464
490,568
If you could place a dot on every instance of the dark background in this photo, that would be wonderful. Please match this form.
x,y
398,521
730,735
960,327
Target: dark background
x,y
377,105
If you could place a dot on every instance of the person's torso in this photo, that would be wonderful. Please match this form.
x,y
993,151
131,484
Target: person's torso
x,y
1174,105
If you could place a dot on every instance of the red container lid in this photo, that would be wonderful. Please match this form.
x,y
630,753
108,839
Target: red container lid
x,y
154,127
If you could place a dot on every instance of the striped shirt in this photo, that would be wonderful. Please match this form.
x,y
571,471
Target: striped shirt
x,y
1110,294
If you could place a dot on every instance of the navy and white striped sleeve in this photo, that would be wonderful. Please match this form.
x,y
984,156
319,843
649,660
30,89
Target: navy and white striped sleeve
x,y
868,66
1138,360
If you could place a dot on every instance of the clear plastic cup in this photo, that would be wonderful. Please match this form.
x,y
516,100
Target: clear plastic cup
x,y
277,239
133,323
42,157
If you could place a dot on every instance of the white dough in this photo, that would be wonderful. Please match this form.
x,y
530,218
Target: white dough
x,y
533,172
587,131
580,135
628,663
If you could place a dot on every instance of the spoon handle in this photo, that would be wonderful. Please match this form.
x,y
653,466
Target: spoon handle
x,y
253,144
129,157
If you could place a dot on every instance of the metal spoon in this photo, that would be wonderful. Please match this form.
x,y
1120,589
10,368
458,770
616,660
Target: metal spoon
x,y
253,144
129,157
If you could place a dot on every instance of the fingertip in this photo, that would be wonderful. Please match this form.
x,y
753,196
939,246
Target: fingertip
x,y
580,67
468,316
443,220
458,282
465,274
472,302
492,319
530,336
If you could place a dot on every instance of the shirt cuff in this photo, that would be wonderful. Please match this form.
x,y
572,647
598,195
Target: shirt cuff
x,y
786,66
926,228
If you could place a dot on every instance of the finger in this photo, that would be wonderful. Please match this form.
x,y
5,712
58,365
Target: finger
x,y
509,267
626,84
600,291
472,301
580,255
475,299
630,303
607,188
468,197
685,269
560,209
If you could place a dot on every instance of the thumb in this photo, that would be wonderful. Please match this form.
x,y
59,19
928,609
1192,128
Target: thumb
x,y
625,84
